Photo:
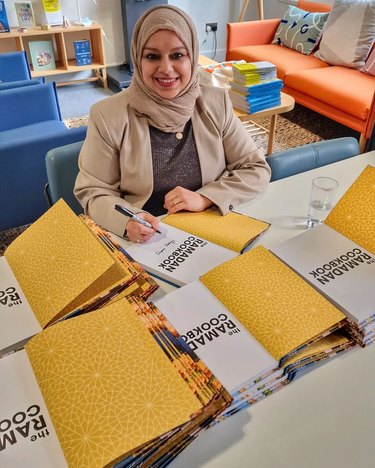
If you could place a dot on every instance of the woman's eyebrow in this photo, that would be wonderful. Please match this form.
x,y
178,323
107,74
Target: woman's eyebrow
x,y
155,49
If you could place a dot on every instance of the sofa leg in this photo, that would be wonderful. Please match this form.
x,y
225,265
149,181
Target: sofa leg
x,y
362,142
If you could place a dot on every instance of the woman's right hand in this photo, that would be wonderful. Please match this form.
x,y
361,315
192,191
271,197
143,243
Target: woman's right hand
x,y
138,233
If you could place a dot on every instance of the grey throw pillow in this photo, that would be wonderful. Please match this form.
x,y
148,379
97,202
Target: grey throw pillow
x,y
349,33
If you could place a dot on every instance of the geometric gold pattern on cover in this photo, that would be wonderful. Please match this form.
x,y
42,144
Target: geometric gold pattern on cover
x,y
275,304
354,214
300,30
232,231
108,385
56,259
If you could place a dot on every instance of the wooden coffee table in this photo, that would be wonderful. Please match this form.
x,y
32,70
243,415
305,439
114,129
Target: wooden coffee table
x,y
250,120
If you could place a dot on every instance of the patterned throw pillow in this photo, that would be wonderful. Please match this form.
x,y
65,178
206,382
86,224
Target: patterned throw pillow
x,y
349,33
369,67
300,30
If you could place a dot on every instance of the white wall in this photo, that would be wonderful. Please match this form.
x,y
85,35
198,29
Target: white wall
x,y
108,14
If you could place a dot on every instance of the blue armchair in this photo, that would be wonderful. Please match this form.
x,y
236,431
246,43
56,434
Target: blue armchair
x,y
14,67
29,127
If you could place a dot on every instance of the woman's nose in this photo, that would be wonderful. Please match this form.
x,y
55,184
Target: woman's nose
x,y
165,65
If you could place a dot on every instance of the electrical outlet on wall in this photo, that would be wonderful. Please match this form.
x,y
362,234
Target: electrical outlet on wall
x,y
211,27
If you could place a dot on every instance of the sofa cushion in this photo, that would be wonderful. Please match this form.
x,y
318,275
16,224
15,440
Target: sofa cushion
x,y
286,60
333,86
300,30
348,34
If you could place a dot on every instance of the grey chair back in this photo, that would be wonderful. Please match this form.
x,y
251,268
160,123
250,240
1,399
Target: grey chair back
x,y
304,158
62,170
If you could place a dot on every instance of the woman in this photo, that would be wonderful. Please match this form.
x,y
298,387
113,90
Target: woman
x,y
165,144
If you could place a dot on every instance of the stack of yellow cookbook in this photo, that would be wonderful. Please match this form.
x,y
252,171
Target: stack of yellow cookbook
x,y
116,386
60,266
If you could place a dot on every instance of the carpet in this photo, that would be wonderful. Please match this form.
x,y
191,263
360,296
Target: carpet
x,y
297,127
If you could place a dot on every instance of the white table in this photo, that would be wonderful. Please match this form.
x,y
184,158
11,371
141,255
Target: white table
x,y
325,419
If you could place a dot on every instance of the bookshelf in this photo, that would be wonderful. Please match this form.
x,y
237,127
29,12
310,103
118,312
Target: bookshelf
x,y
62,41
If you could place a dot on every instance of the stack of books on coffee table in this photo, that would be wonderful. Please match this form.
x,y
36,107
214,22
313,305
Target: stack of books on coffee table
x,y
255,87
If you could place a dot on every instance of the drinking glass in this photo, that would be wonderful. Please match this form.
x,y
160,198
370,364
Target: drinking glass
x,y
323,191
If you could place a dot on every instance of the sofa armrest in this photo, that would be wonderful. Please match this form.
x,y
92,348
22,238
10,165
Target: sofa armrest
x,y
258,32
20,83
370,126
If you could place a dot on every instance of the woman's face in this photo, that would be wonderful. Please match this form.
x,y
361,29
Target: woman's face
x,y
165,64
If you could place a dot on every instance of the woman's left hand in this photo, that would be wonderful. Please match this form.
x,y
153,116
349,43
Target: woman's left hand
x,y
180,199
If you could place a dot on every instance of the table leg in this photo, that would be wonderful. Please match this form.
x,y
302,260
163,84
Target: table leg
x,y
271,136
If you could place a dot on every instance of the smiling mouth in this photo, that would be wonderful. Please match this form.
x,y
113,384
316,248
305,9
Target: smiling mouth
x,y
166,82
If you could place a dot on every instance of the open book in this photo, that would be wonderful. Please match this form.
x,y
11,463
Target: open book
x,y
190,244
175,255
113,386
255,323
233,231
61,265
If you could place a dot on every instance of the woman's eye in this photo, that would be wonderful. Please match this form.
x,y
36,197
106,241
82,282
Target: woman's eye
x,y
177,56
151,56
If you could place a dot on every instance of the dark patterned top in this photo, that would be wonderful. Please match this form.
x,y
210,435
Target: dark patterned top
x,y
175,162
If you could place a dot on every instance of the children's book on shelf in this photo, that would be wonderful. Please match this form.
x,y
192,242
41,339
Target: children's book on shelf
x,y
190,244
82,52
25,15
116,387
60,266
52,12
4,23
42,55
256,324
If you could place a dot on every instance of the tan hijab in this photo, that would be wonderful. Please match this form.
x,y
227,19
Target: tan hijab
x,y
168,115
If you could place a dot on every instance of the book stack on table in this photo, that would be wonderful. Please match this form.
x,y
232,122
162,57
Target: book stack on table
x,y
256,324
61,266
255,87
338,257
116,387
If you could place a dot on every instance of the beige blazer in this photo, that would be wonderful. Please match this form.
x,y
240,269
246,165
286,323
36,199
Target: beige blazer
x,y
115,162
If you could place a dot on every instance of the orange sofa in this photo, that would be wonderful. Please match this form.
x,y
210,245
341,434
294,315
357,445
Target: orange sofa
x,y
342,94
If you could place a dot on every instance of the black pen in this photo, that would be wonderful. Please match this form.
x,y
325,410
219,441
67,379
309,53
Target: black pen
x,y
134,217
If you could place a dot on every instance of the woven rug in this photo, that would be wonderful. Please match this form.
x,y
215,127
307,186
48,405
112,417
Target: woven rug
x,y
297,127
